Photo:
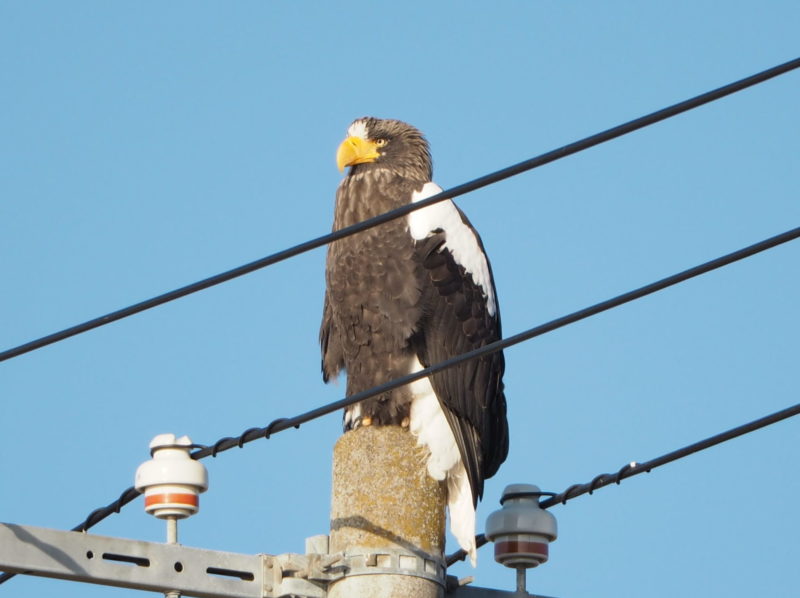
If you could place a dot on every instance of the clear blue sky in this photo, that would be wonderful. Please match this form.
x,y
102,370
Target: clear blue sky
x,y
146,145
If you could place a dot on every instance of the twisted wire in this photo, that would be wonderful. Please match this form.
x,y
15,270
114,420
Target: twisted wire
x,y
633,468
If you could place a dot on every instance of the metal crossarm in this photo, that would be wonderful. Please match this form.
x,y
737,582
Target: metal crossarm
x,y
131,564
156,567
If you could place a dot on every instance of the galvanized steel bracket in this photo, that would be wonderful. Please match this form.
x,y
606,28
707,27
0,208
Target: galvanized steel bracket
x,y
396,562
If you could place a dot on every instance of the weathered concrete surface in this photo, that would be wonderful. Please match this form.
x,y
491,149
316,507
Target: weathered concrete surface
x,y
383,498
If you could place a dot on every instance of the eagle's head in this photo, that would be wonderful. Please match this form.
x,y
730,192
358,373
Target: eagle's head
x,y
374,143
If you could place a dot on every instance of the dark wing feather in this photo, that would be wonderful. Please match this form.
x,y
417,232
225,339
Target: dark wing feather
x,y
332,357
456,321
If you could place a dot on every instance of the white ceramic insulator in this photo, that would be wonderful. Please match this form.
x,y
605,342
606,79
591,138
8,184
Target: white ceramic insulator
x,y
171,481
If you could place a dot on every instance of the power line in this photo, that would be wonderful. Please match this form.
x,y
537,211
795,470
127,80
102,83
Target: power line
x,y
478,183
281,424
284,423
633,468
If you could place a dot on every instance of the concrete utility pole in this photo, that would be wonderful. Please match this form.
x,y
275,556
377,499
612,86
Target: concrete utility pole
x,y
388,510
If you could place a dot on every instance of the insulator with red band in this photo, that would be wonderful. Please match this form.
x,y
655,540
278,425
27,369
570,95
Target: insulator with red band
x,y
521,530
171,481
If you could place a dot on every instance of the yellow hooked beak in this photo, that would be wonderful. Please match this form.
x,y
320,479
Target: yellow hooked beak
x,y
355,150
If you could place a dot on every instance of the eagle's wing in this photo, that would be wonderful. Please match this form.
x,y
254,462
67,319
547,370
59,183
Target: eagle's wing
x,y
461,315
332,357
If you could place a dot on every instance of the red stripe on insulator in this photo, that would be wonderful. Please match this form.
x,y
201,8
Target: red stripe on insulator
x,y
521,547
171,498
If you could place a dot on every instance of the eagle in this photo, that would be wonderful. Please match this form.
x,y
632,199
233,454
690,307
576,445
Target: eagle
x,y
408,294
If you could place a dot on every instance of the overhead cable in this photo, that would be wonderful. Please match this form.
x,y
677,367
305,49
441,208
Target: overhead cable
x,y
281,424
633,468
478,183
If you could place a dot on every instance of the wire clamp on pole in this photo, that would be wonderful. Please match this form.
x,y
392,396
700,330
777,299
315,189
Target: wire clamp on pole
x,y
396,562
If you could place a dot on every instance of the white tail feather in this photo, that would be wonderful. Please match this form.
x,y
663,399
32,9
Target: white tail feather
x,y
429,425
462,511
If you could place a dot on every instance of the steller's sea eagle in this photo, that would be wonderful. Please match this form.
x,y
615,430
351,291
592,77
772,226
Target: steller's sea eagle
x,y
408,294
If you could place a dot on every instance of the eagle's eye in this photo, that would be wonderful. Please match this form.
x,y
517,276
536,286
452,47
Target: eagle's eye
x,y
381,142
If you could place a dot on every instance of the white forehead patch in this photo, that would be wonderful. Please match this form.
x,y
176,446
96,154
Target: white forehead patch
x,y
358,129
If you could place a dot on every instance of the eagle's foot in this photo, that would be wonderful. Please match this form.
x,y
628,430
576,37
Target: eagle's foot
x,y
356,423
376,419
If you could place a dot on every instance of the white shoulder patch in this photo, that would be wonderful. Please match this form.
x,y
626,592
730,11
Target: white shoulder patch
x,y
460,239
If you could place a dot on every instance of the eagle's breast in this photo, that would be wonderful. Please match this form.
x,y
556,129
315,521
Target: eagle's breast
x,y
374,289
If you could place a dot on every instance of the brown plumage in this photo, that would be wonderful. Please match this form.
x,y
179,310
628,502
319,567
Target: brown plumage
x,y
410,293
